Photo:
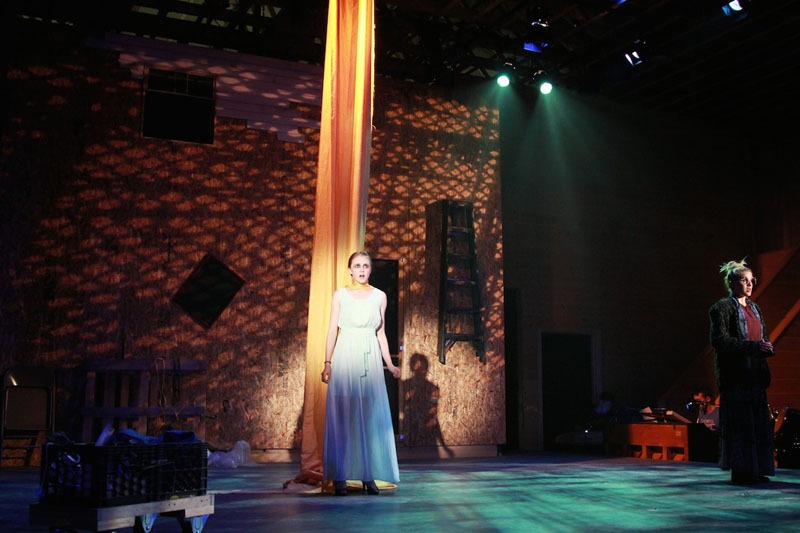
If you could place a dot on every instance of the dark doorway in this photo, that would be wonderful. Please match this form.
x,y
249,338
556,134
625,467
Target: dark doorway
x,y
384,276
385,273
566,383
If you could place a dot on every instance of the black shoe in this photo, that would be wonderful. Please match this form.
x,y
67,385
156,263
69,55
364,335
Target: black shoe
x,y
743,479
371,488
340,488
762,479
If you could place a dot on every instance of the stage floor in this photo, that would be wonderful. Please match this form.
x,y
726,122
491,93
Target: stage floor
x,y
531,492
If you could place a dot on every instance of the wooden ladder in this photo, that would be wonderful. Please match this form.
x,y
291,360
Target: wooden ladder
x,y
460,307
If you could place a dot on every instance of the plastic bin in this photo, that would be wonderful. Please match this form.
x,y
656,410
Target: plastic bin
x,y
100,476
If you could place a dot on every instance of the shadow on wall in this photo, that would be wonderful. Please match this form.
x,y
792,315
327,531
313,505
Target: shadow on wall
x,y
421,406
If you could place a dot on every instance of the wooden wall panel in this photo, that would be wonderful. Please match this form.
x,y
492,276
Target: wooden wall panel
x,y
107,225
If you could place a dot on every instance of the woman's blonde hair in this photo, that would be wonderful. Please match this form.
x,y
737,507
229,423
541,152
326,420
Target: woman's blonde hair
x,y
732,270
357,254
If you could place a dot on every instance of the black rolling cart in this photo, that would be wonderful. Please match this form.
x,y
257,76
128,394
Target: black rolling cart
x,y
105,488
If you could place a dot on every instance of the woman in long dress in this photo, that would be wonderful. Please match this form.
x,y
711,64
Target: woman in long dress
x,y
359,437
742,347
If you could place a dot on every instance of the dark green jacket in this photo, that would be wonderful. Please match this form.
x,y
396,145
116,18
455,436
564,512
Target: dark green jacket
x,y
739,362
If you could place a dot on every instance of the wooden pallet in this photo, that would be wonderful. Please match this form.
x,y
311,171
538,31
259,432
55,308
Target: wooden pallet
x,y
191,512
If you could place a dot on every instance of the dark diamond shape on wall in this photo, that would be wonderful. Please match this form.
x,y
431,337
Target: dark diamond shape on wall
x,y
208,290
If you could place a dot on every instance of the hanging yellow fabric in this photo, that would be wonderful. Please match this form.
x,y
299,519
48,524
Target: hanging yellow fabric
x,y
341,198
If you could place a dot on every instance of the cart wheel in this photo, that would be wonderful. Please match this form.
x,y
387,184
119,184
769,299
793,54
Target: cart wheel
x,y
194,524
144,523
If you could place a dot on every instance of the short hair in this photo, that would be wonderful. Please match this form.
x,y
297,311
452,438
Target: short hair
x,y
706,392
732,270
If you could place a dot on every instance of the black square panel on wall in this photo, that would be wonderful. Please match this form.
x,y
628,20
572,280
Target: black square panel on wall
x,y
208,290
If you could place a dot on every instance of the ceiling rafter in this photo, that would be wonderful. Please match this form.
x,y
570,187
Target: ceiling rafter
x,y
700,63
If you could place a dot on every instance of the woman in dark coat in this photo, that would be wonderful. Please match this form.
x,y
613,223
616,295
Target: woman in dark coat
x,y
742,346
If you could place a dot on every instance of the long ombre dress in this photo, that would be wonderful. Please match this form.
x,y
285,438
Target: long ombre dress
x,y
359,438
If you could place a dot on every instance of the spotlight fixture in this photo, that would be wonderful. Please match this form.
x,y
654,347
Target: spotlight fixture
x,y
635,55
537,38
533,46
736,9
505,75
539,79
633,58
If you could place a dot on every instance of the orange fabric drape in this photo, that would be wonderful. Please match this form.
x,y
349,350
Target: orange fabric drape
x,y
341,201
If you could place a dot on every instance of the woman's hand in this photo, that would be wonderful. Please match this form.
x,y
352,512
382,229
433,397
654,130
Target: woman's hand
x,y
394,370
326,372
766,346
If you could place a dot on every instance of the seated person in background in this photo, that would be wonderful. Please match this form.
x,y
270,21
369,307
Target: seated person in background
x,y
707,410
591,431
603,412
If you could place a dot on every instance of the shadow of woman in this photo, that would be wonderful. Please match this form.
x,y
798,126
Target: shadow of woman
x,y
421,406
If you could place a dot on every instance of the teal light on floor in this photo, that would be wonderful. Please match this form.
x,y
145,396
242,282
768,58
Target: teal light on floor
x,y
525,493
